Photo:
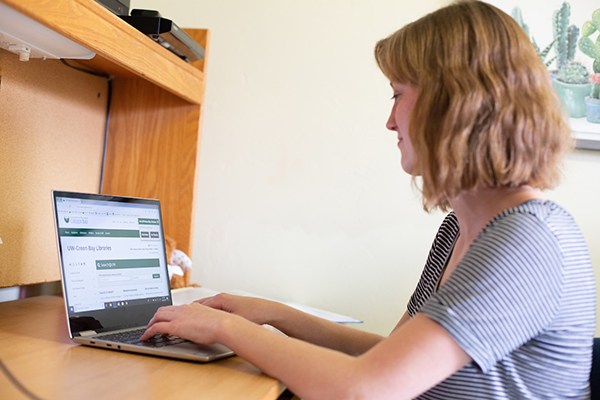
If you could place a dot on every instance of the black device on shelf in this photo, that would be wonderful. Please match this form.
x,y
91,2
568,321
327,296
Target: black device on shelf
x,y
119,7
166,33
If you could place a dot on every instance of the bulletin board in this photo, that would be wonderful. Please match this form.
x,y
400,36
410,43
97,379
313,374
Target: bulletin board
x,y
52,123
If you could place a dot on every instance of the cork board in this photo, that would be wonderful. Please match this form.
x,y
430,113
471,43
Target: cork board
x,y
52,121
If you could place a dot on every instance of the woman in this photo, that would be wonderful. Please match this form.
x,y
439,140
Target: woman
x,y
505,308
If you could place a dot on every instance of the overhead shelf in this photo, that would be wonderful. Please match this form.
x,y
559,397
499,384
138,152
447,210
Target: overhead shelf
x,y
121,49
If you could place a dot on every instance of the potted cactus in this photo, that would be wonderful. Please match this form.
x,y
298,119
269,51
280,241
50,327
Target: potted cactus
x,y
571,78
573,85
592,102
565,36
592,50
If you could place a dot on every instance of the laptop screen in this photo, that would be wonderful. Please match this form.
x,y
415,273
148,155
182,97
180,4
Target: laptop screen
x,y
113,262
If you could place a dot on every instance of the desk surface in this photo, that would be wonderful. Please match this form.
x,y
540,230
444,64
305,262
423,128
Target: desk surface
x,y
36,348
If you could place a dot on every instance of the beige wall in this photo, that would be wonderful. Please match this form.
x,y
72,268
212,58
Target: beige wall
x,y
301,195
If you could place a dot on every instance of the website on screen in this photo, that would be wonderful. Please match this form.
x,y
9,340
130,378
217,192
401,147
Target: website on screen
x,y
112,253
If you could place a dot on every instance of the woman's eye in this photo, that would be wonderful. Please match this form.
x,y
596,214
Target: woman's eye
x,y
396,96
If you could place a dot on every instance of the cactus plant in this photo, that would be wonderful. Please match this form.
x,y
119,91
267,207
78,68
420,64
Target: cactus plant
x,y
592,102
518,17
586,44
544,53
595,79
574,72
592,50
565,36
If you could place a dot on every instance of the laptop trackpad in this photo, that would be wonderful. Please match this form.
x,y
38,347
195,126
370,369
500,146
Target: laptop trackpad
x,y
213,350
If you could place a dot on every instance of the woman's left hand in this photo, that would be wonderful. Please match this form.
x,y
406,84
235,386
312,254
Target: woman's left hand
x,y
194,322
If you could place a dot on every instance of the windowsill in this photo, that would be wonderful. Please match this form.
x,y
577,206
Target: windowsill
x,y
587,135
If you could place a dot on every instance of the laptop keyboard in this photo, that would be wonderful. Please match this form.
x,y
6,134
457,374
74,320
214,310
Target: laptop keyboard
x,y
133,337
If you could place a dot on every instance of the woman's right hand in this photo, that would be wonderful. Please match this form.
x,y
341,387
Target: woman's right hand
x,y
254,309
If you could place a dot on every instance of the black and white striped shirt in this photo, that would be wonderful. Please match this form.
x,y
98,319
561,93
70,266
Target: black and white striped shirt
x,y
521,303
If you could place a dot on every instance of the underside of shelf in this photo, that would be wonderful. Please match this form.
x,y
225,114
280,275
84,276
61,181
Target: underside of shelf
x,y
121,49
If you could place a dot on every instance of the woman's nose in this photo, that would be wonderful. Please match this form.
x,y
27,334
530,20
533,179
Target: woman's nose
x,y
391,122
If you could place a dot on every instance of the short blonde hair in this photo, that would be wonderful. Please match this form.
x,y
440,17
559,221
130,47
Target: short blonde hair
x,y
486,113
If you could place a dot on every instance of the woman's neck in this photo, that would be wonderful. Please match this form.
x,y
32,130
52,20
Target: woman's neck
x,y
475,208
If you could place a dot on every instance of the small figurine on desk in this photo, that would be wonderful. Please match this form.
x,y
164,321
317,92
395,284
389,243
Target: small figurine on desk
x,y
180,265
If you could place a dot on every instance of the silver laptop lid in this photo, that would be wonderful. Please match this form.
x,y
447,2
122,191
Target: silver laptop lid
x,y
113,261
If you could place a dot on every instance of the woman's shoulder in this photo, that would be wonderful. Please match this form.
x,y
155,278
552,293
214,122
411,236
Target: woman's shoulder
x,y
535,215
449,227
535,227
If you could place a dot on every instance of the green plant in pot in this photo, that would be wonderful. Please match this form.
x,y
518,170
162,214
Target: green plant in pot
x,y
592,103
543,54
592,50
565,36
573,85
571,78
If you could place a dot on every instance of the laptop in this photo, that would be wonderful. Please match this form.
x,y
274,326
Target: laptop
x,y
114,274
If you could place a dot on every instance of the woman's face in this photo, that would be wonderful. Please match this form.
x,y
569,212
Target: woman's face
x,y
404,98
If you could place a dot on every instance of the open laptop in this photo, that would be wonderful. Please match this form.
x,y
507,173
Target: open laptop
x,y
114,274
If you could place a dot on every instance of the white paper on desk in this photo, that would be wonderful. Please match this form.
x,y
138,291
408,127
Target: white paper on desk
x,y
187,295
334,317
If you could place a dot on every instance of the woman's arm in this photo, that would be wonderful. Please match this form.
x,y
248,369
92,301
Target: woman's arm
x,y
405,318
413,359
295,323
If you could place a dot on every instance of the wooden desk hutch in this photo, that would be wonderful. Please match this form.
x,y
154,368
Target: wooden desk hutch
x,y
153,139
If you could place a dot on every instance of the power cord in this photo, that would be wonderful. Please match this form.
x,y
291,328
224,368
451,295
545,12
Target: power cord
x,y
108,102
109,95
87,71
16,382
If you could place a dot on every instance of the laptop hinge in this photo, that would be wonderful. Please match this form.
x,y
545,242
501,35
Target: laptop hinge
x,y
88,333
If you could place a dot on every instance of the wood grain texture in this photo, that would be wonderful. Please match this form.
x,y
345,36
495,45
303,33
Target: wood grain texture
x,y
37,350
202,37
152,152
119,46
52,121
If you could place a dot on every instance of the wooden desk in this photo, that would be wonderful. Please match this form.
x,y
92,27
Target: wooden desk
x,y
36,348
